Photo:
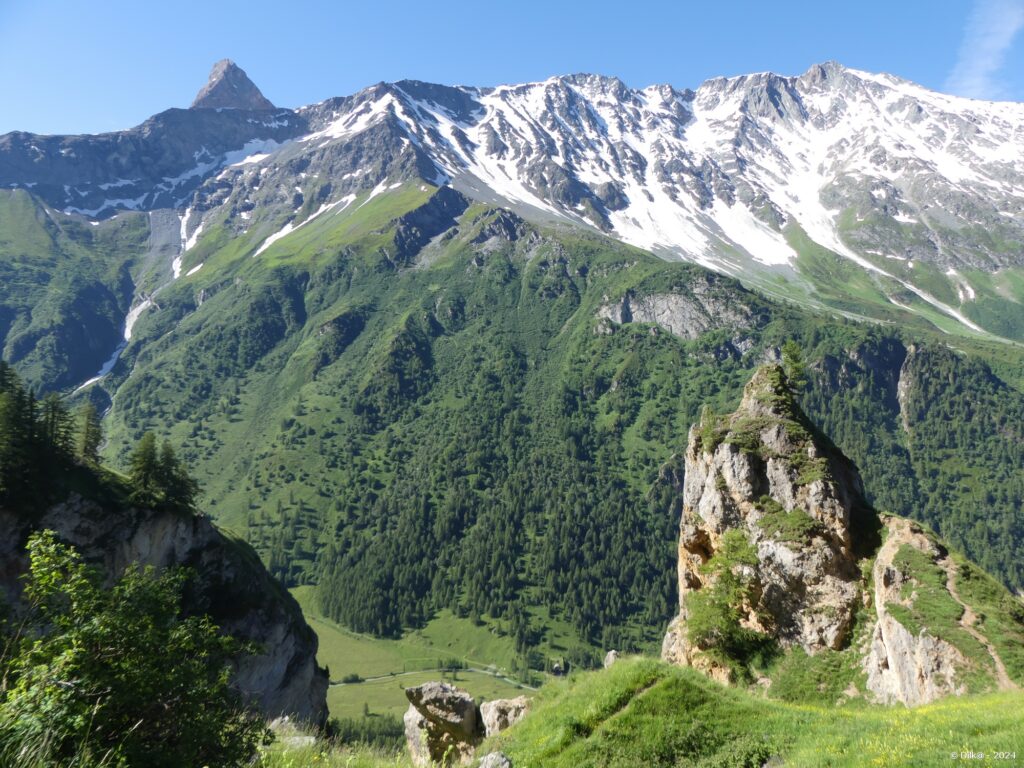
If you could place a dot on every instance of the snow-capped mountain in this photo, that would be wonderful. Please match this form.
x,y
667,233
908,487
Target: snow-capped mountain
x,y
787,182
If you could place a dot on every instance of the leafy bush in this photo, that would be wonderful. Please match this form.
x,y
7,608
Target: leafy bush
x,y
118,676
793,526
714,613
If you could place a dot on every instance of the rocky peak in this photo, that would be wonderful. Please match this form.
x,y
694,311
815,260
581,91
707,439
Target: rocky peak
x,y
821,74
230,88
765,472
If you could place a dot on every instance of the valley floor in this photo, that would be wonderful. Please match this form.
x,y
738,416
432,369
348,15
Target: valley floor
x,y
387,667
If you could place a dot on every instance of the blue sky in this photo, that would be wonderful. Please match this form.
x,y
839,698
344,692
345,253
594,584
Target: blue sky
x,y
72,66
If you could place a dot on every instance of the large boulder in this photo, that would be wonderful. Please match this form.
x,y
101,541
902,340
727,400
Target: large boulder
x,y
442,725
500,714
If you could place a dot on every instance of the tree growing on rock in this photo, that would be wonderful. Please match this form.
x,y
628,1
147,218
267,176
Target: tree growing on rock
x,y
715,612
144,471
158,477
794,366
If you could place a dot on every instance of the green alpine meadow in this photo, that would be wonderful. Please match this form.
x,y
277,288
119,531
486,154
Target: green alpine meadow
x,y
565,423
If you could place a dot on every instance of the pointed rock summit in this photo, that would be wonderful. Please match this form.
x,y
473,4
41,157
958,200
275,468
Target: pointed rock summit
x,y
230,88
764,473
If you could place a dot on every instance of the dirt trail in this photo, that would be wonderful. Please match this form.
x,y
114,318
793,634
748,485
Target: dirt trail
x,y
967,622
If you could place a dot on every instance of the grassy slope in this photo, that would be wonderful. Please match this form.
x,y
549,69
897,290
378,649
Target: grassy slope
x,y
66,287
642,712
645,713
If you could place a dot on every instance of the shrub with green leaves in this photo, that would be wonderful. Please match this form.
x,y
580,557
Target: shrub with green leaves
x,y
714,613
119,676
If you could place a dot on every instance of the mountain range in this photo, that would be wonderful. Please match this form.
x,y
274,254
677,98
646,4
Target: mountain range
x,y
838,188
437,348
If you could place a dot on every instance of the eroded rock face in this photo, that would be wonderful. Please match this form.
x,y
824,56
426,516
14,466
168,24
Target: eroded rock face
x,y
900,666
442,724
799,569
500,714
686,313
233,588
765,471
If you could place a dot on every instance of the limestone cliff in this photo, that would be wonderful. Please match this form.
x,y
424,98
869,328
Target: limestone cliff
x,y
764,472
816,560
232,586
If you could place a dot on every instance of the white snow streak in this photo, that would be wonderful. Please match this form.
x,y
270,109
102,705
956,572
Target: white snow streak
x,y
291,226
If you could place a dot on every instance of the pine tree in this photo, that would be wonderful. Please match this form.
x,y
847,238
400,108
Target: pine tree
x,y
90,435
8,443
57,427
144,471
794,366
179,489
17,443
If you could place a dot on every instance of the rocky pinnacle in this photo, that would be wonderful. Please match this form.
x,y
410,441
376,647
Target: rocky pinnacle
x,y
765,472
230,88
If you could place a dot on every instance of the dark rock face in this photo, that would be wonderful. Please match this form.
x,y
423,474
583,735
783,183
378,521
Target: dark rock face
x,y
230,88
282,679
436,216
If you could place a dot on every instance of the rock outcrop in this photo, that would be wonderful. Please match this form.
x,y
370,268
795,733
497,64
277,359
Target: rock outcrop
x,y
495,760
765,472
232,586
443,725
775,527
901,666
687,312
